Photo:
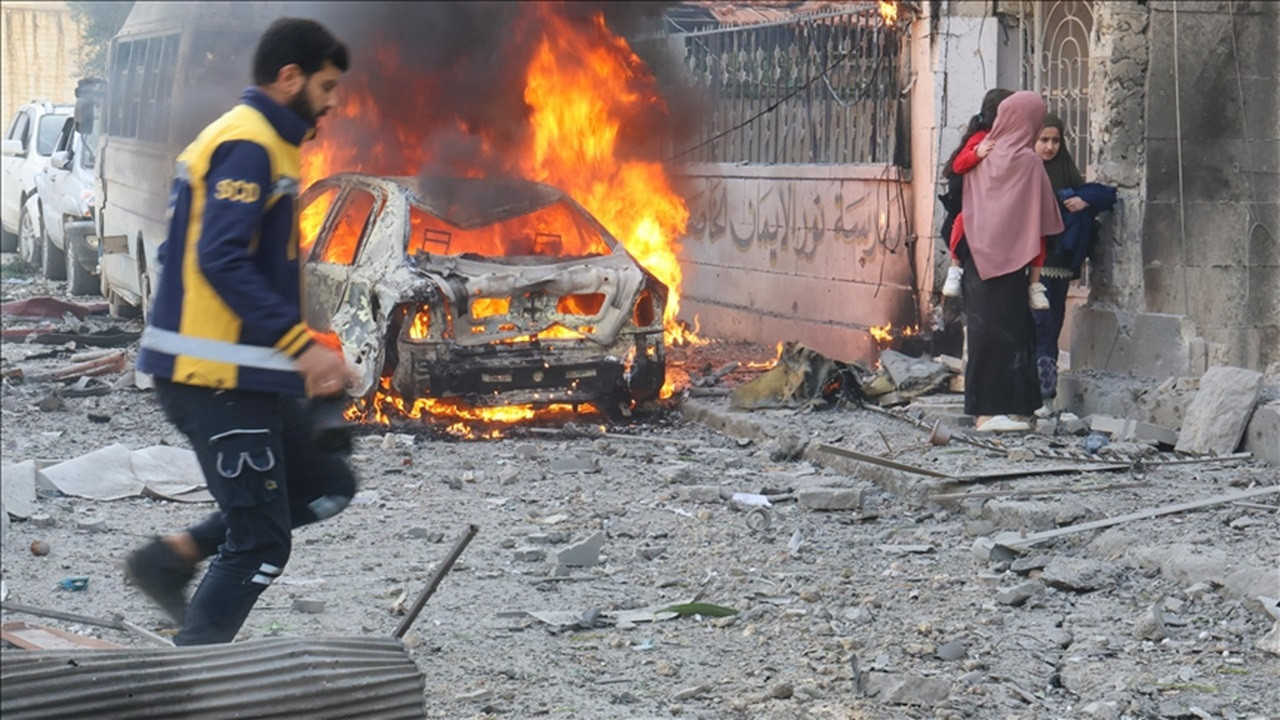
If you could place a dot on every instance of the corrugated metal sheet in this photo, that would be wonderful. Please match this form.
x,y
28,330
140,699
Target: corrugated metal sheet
x,y
312,678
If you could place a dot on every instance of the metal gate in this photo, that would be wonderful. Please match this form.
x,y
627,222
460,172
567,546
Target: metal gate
x,y
1054,41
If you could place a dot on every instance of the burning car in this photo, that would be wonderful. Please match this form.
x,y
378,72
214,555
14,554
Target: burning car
x,y
488,292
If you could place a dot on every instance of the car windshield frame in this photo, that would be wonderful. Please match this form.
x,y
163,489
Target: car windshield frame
x,y
591,235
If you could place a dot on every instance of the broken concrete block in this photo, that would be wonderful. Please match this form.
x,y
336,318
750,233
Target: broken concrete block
x,y
575,464
908,373
917,690
1079,574
788,445
308,606
954,650
1019,594
526,451
92,525
702,493
1151,625
692,692
18,488
1216,420
681,474
583,554
1022,566
530,554
1262,435
830,498
1130,429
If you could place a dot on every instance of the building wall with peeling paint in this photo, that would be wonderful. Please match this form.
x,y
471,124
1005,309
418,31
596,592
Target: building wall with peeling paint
x,y
39,49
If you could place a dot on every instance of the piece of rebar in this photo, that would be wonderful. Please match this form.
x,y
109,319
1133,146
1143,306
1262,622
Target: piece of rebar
x,y
87,620
1039,491
441,570
1022,544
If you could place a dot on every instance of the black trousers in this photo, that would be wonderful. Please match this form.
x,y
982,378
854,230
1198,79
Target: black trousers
x,y
268,476
1000,376
1048,332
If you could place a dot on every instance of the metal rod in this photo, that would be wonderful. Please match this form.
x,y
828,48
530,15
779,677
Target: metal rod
x,y
441,570
87,620
1040,491
1021,544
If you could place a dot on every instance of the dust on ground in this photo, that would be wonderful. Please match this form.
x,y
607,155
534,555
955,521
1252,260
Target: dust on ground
x,y
877,611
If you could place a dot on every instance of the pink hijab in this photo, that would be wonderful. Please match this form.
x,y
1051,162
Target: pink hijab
x,y
1008,201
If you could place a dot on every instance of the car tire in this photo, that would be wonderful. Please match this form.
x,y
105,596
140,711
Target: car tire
x,y
30,240
79,280
53,260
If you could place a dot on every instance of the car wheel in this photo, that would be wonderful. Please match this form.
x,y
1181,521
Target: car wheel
x,y
30,241
79,280
54,260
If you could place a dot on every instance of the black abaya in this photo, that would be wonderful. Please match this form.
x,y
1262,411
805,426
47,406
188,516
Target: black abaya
x,y
1000,376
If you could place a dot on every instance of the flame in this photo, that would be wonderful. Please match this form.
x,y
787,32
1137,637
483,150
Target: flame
x,y
587,95
886,334
889,11
470,420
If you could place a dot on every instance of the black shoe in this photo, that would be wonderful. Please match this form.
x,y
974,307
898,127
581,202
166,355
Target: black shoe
x,y
163,575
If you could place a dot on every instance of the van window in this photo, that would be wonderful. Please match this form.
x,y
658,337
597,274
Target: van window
x,y
142,75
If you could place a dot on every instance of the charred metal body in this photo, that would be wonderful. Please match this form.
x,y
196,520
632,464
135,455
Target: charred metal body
x,y
488,291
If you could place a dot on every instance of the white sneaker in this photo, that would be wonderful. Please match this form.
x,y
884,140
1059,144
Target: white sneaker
x,y
951,288
1039,300
1044,411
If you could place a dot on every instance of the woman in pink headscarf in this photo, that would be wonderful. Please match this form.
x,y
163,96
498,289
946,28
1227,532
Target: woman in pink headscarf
x,y
1009,208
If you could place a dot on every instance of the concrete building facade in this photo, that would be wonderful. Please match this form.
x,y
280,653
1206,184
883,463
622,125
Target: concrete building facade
x,y
1175,103
39,47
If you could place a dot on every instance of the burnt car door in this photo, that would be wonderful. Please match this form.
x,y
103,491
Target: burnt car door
x,y
332,306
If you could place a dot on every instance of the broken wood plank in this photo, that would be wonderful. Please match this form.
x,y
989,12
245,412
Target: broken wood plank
x,y
38,637
1038,491
1022,544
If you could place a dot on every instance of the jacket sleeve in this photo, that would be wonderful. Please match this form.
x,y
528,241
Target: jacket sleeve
x,y
236,188
968,158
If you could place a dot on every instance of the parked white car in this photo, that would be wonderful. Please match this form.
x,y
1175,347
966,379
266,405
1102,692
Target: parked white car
x,y
27,145
65,188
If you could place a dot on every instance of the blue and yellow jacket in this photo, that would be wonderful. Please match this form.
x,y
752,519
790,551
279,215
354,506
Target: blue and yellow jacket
x,y
227,312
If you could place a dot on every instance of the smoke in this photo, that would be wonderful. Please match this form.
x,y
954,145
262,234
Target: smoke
x,y
456,71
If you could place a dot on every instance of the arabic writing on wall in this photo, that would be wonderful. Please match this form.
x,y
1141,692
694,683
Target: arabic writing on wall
x,y
797,216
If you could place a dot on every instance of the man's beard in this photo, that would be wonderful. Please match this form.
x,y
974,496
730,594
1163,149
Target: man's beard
x,y
301,105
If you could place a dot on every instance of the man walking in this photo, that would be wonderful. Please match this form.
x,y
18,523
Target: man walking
x,y
231,356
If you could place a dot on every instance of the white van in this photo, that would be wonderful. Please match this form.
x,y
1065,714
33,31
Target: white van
x,y
173,68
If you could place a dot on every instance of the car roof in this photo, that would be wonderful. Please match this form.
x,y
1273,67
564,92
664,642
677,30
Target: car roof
x,y
475,202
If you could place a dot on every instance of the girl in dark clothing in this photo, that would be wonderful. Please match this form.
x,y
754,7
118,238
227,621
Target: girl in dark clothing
x,y
1062,264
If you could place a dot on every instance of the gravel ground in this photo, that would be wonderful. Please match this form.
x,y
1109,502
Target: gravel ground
x,y
877,611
